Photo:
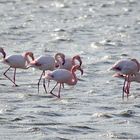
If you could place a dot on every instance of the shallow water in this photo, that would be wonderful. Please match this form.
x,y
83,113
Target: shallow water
x,y
101,32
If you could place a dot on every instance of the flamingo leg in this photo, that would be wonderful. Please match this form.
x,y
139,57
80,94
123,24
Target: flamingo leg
x,y
63,85
40,80
128,89
14,78
127,86
51,92
124,89
48,83
59,90
9,77
44,82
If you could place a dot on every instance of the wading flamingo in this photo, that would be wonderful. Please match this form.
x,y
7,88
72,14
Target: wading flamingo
x,y
127,67
63,76
44,63
69,62
16,61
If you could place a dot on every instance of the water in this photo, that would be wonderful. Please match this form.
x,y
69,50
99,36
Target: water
x,y
101,32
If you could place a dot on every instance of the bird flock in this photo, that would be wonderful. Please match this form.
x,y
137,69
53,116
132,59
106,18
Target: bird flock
x,y
58,68
62,70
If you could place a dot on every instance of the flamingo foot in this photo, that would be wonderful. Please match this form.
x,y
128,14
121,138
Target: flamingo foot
x,y
58,96
15,85
38,87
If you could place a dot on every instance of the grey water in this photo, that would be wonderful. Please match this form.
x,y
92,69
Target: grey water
x,y
101,32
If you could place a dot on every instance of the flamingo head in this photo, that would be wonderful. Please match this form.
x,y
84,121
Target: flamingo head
x,y
30,54
77,57
59,56
3,52
77,67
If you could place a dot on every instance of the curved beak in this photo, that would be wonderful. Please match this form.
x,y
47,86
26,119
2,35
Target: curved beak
x,y
3,52
80,61
63,61
81,70
33,58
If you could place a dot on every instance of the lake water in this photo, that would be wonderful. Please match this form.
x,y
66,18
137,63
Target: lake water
x,y
101,32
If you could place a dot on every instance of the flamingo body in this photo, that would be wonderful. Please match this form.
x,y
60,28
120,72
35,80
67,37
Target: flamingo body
x,y
60,75
43,63
15,61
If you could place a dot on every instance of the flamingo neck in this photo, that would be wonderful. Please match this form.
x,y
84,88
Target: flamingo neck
x,y
27,56
138,64
74,78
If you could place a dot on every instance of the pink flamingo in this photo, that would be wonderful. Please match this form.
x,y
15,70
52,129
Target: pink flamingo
x,y
129,68
69,62
62,76
44,62
16,61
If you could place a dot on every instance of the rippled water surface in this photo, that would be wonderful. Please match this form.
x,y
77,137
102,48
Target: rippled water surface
x,y
101,32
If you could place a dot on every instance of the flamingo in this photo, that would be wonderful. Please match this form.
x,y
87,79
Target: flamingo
x,y
16,61
129,68
69,62
62,76
45,62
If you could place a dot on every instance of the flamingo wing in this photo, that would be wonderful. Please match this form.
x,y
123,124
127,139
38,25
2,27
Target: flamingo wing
x,y
59,75
125,67
16,61
43,63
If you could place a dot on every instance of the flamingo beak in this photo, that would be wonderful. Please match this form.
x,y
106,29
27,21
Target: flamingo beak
x,y
81,70
56,65
80,61
63,59
33,57
3,52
